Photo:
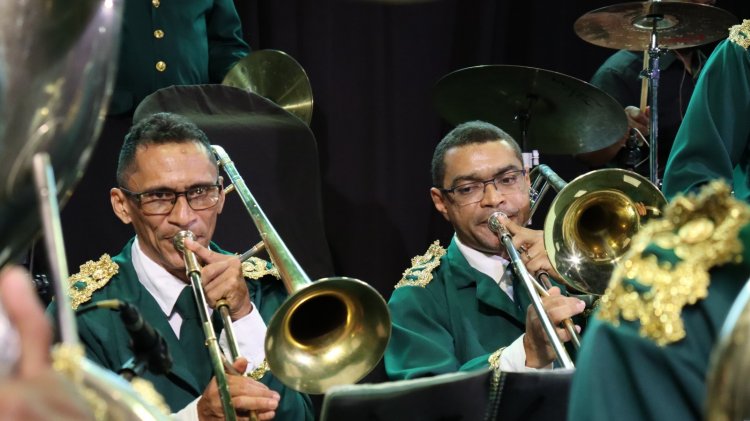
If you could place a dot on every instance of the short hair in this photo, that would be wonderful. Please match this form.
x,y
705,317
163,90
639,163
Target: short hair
x,y
158,129
469,133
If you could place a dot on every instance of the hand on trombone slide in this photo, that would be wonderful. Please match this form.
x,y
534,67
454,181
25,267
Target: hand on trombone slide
x,y
221,276
250,398
530,245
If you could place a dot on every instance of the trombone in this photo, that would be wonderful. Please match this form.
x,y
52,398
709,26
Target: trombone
x,y
592,220
193,271
587,230
329,332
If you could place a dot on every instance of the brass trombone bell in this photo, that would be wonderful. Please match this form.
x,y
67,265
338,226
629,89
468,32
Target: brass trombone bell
x,y
591,222
276,76
330,332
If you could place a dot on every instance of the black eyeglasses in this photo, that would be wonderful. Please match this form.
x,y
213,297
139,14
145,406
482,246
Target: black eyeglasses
x,y
161,202
473,192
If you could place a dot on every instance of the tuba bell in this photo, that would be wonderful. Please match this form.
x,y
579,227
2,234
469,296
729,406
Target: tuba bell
x,y
56,73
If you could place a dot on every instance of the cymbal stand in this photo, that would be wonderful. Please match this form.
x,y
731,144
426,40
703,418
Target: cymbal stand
x,y
653,73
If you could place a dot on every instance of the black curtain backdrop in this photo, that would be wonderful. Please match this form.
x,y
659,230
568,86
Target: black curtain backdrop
x,y
373,66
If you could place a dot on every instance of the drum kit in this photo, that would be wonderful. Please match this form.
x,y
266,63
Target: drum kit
x,y
558,114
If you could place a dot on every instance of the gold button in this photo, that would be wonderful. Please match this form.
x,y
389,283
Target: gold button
x,y
158,34
156,3
161,66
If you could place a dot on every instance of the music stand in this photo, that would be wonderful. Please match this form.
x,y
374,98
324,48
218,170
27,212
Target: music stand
x,y
541,395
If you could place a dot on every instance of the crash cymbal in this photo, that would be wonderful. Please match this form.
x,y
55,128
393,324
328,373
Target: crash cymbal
x,y
274,75
562,114
628,26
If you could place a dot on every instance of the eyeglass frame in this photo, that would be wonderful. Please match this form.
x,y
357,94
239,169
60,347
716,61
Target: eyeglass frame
x,y
484,185
138,195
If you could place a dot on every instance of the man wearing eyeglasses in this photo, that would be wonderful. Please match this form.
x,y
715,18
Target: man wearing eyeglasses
x,y
460,308
168,181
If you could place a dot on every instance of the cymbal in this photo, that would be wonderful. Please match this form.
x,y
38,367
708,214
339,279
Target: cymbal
x,y
563,115
274,75
628,25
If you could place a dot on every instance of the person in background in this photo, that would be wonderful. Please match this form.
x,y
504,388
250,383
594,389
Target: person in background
x,y
461,308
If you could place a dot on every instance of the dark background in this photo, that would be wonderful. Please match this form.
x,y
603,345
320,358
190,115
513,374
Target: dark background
x,y
372,66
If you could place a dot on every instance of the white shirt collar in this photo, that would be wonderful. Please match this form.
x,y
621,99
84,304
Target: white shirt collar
x,y
492,265
162,285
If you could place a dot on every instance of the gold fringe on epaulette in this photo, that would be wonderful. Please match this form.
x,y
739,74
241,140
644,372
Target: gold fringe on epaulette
x,y
740,34
702,231
91,277
420,272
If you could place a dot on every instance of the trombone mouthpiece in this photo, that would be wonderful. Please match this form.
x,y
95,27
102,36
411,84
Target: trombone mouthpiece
x,y
494,223
179,240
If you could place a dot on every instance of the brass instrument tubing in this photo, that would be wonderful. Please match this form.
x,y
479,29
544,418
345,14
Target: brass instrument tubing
x,y
567,323
528,281
193,271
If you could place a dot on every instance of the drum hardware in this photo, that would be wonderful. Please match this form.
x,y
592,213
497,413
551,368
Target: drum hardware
x,y
653,27
547,111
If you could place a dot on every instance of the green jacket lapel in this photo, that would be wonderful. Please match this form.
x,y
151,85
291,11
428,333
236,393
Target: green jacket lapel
x,y
488,291
134,292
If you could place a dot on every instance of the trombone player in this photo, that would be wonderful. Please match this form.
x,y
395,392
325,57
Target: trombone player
x,y
168,181
460,308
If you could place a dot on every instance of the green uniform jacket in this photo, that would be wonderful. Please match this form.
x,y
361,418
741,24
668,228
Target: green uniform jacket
x,y
170,42
623,375
453,323
106,339
714,137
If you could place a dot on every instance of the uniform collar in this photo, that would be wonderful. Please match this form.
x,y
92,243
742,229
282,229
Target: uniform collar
x,y
162,285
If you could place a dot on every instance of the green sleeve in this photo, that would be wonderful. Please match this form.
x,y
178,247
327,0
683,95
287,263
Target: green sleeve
x,y
712,140
225,43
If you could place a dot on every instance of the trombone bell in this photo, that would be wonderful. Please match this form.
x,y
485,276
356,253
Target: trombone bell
x,y
591,222
330,332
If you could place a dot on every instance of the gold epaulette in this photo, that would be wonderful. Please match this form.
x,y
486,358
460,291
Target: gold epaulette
x,y
420,272
255,268
702,232
740,34
91,277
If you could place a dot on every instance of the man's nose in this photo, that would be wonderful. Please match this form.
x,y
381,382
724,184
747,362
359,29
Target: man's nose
x,y
182,214
492,195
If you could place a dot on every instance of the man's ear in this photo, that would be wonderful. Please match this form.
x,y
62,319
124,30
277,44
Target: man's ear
x,y
439,201
120,205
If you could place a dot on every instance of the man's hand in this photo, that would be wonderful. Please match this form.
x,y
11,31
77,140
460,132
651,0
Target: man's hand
x,y
34,391
539,351
530,245
247,395
637,119
222,278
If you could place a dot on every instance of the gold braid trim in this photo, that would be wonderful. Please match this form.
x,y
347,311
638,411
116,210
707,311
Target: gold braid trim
x,y
420,272
255,268
259,371
494,358
740,34
92,276
702,231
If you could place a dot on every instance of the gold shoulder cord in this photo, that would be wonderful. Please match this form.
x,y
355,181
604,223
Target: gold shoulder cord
x,y
740,34
702,232
420,272
91,277
255,268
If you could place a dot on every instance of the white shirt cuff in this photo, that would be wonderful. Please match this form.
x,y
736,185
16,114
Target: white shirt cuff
x,y
513,358
250,333
188,413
